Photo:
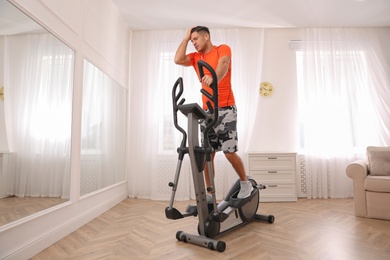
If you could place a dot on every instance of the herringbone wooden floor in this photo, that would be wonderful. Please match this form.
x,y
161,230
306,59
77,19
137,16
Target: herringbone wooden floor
x,y
307,229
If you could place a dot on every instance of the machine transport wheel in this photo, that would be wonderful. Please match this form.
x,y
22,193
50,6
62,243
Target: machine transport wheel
x,y
178,235
221,246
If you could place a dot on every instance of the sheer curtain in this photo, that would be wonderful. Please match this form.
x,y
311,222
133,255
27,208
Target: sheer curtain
x,y
153,137
103,135
344,103
38,107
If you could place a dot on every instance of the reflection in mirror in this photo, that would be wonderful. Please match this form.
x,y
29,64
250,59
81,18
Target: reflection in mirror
x,y
36,74
103,131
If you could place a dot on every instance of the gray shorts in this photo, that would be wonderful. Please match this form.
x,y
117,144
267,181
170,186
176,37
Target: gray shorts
x,y
223,136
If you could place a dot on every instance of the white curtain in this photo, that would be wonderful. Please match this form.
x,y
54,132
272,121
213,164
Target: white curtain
x,y
344,106
38,108
103,137
153,138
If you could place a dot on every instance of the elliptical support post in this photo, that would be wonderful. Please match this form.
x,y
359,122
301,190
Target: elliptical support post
x,y
198,178
210,176
175,182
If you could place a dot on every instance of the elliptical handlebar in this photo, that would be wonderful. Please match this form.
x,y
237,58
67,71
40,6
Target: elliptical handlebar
x,y
175,98
212,106
213,97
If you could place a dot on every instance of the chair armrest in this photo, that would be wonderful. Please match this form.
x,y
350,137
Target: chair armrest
x,y
357,170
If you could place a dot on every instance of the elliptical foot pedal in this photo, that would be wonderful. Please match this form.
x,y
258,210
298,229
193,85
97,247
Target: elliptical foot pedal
x,y
219,217
191,210
238,203
172,213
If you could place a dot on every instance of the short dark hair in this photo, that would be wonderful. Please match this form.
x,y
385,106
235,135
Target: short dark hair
x,y
200,28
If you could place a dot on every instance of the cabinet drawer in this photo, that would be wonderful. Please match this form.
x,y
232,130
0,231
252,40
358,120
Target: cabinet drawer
x,y
273,176
271,162
278,192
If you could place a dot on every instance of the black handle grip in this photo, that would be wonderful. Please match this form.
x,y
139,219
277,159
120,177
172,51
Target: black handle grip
x,y
175,97
212,96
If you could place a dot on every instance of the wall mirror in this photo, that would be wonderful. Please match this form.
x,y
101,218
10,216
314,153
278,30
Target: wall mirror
x,y
36,78
103,134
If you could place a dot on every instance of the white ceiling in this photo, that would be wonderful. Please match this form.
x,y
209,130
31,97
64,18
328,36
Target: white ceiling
x,y
181,14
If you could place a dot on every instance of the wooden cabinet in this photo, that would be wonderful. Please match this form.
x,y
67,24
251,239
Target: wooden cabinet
x,y
277,171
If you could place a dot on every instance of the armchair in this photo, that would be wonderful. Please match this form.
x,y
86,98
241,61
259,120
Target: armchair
x,y
371,182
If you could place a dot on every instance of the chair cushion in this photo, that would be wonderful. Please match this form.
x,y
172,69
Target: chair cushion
x,y
377,183
378,160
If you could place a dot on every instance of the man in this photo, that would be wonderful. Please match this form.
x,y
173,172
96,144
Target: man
x,y
225,132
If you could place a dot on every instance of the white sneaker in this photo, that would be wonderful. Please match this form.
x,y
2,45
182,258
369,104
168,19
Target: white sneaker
x,y
246,190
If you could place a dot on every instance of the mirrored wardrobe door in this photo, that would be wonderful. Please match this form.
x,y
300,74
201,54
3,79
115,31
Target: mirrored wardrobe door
x,y
36,78
103,140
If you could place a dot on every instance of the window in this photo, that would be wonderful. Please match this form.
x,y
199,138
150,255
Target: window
x,y
169,136
52,112
335,109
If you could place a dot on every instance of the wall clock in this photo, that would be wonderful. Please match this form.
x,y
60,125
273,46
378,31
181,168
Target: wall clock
x,y
266,89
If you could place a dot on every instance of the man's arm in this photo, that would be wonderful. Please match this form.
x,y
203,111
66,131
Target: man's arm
x,y
222,67
181,58
220,71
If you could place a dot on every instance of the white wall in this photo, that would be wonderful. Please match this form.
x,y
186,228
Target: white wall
x,y
275,128
96,32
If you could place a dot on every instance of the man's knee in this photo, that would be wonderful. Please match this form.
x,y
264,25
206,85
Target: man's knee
x,y
230,156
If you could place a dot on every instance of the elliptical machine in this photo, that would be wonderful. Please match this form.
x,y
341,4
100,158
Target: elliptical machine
x,y
214,219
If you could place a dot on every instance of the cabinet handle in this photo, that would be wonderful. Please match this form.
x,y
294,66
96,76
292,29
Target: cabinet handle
x,y
272,171
272,158
273,186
